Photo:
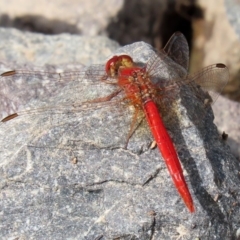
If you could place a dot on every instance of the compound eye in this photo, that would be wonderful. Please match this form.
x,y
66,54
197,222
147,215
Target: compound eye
x,y
111,65
116,62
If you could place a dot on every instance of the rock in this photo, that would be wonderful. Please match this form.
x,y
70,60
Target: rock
x,y
228,122
69,176
76,17
59,49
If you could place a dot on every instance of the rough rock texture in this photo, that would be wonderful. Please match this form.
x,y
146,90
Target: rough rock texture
x,y
39,49
228,122
69,176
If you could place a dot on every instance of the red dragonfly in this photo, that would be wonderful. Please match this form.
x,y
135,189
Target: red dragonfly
x,y
144,87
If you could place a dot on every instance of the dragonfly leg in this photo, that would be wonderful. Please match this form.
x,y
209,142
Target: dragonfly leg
x,y
133,128
106,98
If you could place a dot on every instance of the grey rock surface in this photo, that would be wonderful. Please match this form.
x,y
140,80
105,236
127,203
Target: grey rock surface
x,y
59,49
68,176
228,122
233,13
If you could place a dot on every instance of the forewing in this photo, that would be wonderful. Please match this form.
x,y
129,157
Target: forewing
x,y
19,89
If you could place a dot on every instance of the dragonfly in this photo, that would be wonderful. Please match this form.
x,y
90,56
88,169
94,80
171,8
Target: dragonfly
x,y
142,86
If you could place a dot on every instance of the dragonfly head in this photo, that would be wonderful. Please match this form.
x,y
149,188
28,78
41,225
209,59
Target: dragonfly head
x,y
116,62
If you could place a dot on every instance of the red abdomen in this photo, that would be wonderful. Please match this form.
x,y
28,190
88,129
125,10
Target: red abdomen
x,y
168,151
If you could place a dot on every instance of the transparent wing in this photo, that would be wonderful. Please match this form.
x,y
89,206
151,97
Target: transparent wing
x,y
168,71
177,49
18,87
206,85
211,79
171,62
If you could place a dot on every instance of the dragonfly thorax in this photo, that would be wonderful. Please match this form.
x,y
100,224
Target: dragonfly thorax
x,y
137,86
